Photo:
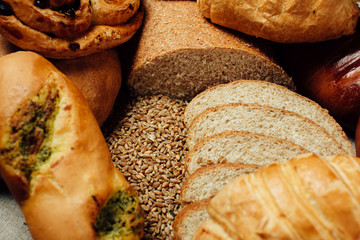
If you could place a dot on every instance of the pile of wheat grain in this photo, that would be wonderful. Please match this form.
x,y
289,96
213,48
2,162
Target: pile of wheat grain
x,y
148,146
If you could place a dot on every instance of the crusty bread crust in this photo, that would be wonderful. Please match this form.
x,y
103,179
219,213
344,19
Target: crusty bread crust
x,y
240,147
180,54
62,196
210,230
285,21
96,38
207,181
189,218
99,78
306,198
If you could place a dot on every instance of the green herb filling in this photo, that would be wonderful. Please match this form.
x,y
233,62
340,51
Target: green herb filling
x,y
121,216
28,143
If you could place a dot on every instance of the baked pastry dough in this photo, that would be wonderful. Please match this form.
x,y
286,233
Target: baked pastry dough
x,y
69,28
307,197
55,160
284,21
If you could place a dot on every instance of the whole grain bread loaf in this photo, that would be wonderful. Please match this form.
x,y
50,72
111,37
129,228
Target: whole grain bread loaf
x,y
179,53
207,181
240,147
268,94
266,120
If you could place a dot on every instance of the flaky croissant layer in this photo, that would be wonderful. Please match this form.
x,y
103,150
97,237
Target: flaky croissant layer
x,y
307,197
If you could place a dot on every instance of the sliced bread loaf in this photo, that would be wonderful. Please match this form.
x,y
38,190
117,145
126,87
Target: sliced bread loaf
x,y
240,147
268,94
264,120
189,219
207,181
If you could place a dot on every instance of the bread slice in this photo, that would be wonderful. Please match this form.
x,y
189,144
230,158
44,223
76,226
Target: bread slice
x,y
267,94
240,147
210,230
207,181
189,219
179,54
264,120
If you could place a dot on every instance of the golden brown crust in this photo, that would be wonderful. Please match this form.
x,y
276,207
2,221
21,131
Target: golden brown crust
x,y
193,54
50,21
185,213
98,76
210,230
312,197
285,21
62,196
72,42
6,47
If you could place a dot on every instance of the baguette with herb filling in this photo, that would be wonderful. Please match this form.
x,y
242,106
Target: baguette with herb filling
x,y
55,160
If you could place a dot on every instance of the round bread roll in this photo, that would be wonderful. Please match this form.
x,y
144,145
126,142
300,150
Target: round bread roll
x,y
329,74
290,21
98,76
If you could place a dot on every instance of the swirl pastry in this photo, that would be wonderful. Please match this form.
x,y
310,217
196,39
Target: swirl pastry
x,y
69,28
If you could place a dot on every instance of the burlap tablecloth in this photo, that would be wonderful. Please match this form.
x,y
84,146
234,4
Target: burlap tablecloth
x,y
12,222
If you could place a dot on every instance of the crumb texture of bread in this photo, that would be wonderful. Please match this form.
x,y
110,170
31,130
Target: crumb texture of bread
x,y
264,120
180,54
240,147
189,219
267,94
207,181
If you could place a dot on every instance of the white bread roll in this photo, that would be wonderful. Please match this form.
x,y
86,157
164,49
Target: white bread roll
x,y
285,21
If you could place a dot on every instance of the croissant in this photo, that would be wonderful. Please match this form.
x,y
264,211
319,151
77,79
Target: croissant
x,y
69,28
307,197
55,160
291,21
